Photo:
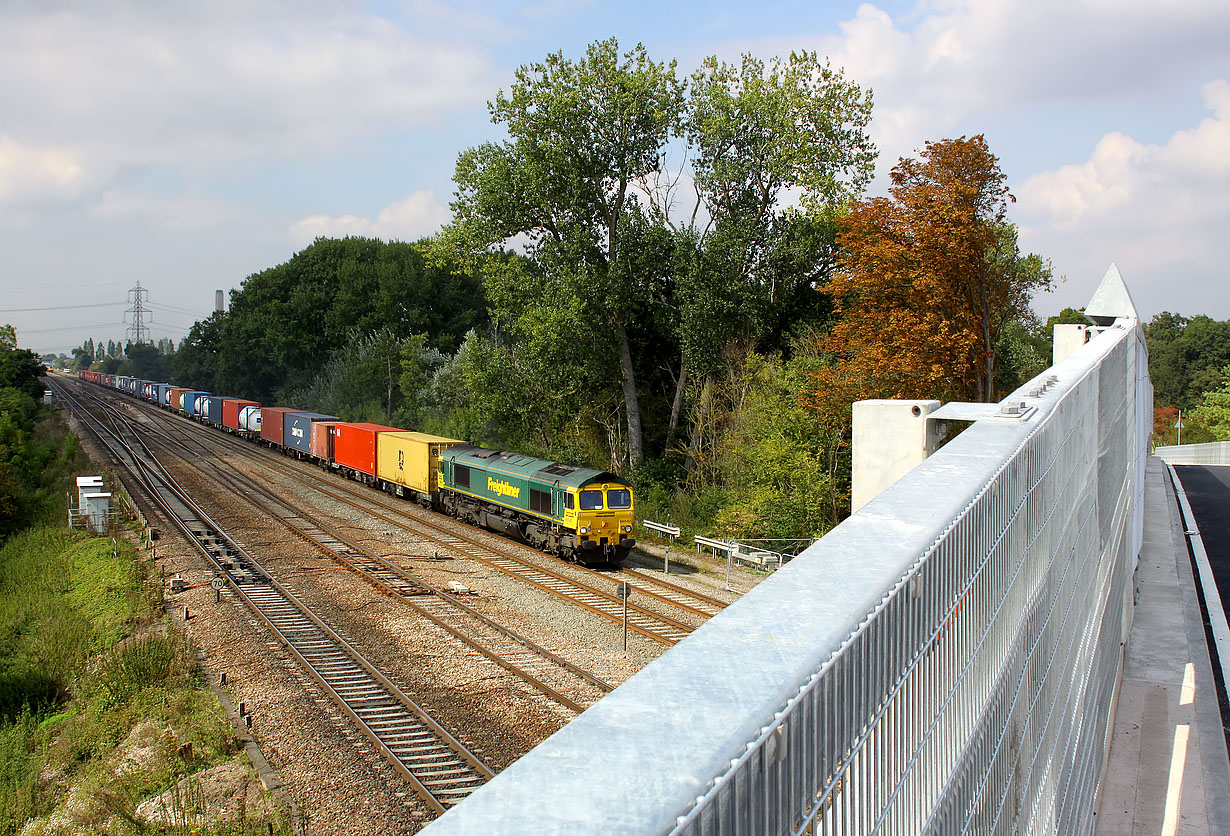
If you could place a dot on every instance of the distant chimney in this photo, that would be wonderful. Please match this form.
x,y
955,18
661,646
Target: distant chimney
x,y
218,303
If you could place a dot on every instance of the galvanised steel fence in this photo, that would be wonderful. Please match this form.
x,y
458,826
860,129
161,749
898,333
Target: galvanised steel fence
x,y
945,660
1211,452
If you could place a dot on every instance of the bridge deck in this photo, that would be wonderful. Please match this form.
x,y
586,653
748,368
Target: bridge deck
x,y
1168,771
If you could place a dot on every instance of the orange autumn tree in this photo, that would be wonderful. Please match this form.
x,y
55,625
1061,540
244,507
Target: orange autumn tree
x,y
927,279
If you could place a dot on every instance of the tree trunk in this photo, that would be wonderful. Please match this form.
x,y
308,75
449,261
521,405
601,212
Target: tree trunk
x,y
988,348
699,427
677,404
636,450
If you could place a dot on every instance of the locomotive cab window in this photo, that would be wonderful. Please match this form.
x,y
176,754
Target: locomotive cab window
x,y
461,476
591,500
619,498
569,501
540,501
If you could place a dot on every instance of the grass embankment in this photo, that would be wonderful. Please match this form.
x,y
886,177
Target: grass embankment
x,y
101,704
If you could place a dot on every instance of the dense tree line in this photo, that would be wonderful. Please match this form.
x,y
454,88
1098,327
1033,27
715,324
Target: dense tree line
x,y
30,456
284,323
1189,364
1187,356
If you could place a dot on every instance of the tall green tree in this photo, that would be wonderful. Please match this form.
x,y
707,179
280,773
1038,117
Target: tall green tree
x,y
582,136
1187,356
144,361
1213,413
285,322
20,368
777,149
22,458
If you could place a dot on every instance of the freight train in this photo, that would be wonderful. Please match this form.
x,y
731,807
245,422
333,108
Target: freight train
x,y
576,513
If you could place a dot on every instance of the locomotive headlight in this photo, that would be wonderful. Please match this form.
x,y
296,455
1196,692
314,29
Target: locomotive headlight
x,y
584,529
627,529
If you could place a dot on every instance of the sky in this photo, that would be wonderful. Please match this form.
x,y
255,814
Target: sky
x,y
187,146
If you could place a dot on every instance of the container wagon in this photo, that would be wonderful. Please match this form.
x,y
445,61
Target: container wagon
x,y
408,464
354,449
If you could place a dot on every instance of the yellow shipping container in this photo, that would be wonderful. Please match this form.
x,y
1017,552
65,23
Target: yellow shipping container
x,y
411,460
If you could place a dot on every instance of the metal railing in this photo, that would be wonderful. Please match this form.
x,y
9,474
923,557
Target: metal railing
x,y
1211,452
945,660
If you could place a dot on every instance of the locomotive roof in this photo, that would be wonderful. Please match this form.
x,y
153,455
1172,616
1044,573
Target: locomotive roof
x,y
528,466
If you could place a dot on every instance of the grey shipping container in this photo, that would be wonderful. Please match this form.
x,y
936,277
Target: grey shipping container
x,y
297,429
213,409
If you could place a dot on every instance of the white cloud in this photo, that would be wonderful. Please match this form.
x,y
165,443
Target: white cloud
x,y
111,88
1157,205
1160,211
415,217
31,173
176,213
948,60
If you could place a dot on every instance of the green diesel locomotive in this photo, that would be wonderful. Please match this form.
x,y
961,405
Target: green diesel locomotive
x,y
577,513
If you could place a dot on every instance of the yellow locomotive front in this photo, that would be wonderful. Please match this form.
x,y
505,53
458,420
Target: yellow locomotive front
x,y
601,514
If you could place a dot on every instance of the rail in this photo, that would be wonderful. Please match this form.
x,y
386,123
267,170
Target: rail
x,y
945,660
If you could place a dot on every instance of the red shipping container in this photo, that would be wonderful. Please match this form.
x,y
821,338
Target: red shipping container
x,y
230,411
322,439
271,422
176,391
354,445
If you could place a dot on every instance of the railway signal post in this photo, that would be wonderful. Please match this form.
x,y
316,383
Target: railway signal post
x,y
624,591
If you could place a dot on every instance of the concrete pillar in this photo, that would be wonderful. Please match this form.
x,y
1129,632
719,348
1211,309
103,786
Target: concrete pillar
x,y
1068,338
889,438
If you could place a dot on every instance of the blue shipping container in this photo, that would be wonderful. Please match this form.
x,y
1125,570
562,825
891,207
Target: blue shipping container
x,y
297,429
191,398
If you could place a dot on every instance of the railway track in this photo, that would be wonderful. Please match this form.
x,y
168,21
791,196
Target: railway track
x,y
440,768
596,593
547,673
601,599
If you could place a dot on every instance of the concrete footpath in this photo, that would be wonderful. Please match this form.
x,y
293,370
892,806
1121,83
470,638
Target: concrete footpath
x,y
1168,771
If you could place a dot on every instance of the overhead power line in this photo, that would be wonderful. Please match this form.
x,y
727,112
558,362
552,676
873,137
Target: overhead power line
x,y
23,331
60,307
173,309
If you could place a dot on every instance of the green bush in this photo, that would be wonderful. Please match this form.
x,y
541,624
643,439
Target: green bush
x,y
143,663
18,780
